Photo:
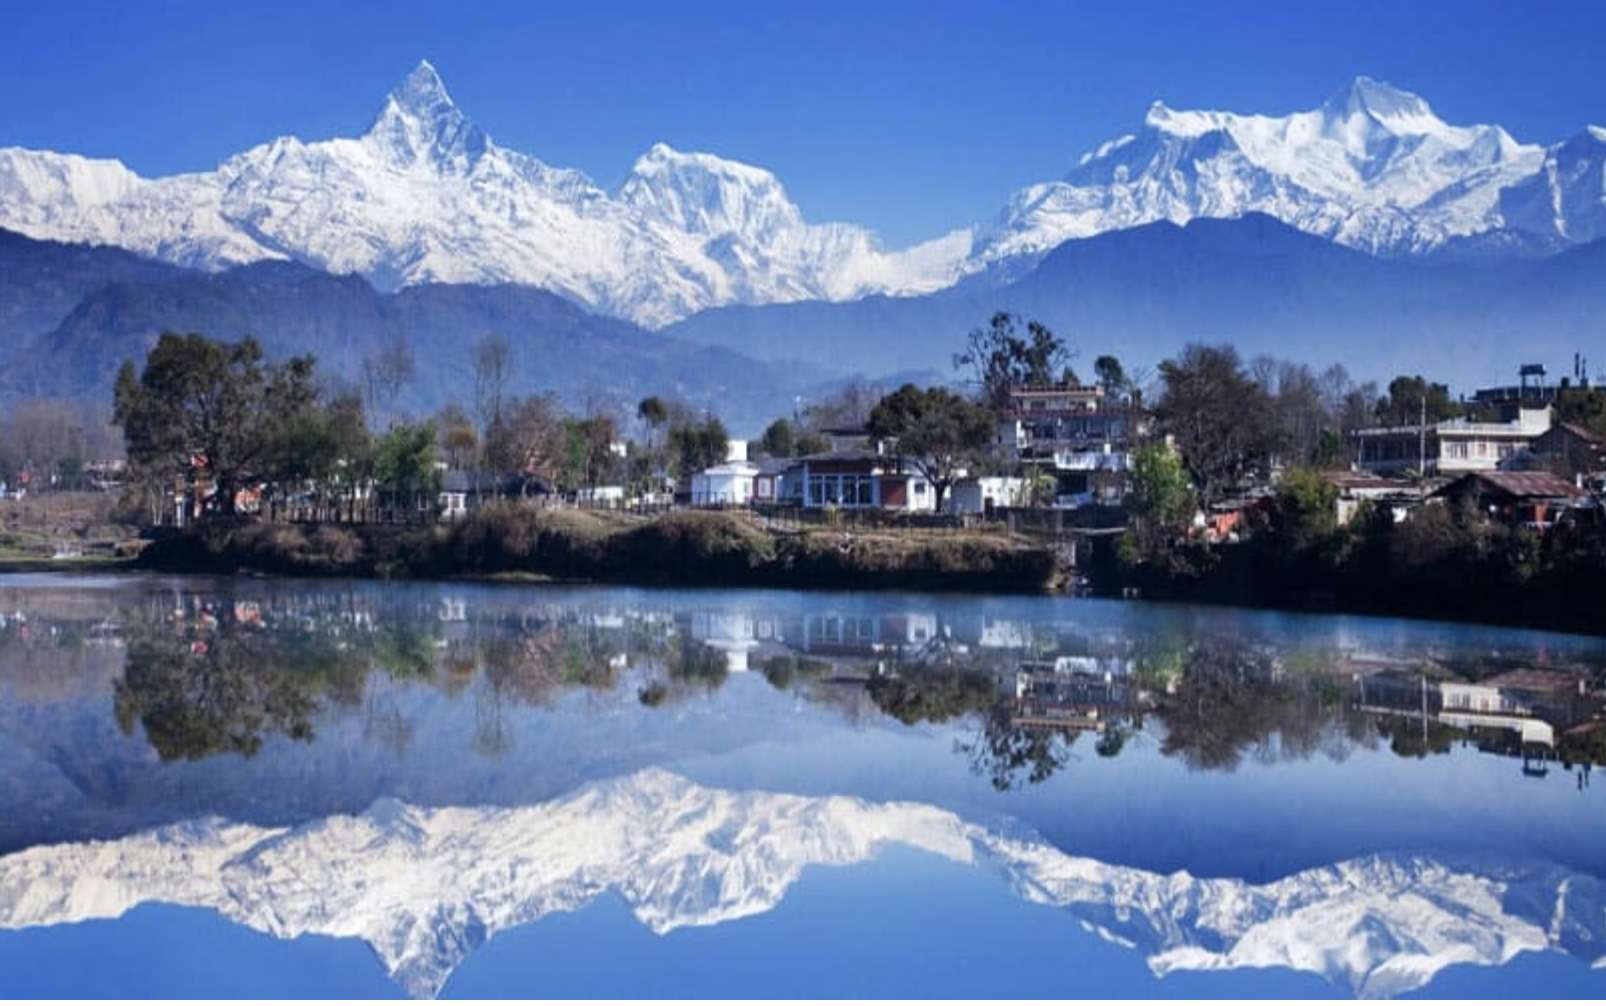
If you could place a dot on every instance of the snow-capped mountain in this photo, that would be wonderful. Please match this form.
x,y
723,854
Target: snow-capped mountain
x,y
1372,168
425,887
426,196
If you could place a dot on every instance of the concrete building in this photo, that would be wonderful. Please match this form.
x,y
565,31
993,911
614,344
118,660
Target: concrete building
x,y
1075,433
1450,447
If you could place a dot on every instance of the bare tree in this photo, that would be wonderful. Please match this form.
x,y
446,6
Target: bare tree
x,y
385,372
493,366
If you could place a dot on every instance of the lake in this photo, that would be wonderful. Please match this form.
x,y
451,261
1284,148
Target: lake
x,y
251,787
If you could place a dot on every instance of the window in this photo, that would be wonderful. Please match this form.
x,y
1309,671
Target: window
x,y
1455,449
816,490
850,491
920,488
866,490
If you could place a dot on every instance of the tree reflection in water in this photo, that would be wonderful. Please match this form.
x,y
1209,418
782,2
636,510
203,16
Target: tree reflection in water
x,y
206,674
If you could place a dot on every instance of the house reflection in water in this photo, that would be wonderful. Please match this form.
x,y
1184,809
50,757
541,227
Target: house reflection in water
x,y
1075,693
1520,713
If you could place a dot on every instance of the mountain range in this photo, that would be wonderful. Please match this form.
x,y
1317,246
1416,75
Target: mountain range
x,y
426,196
1366,230
425,887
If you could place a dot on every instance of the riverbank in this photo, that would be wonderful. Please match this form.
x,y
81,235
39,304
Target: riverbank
x,y
1552,585
685,548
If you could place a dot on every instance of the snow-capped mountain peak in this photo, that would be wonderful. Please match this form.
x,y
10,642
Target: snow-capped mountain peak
x,y
425,195
1372,167
419,121
1398,110
709,196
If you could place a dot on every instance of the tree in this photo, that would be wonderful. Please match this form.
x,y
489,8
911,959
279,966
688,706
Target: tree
x,y
937,431
211,403
846,408
779,439
696,446
493,366
588,451
1161,501
1303,510
404,461
1409,397
1216,413
1001,358
527,438
385,372
459,442
1107,370
653,411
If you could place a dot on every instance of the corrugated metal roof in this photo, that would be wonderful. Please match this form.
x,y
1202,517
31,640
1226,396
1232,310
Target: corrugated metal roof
x,y
1523,485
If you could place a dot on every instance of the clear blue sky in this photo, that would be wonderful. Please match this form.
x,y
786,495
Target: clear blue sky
x,y
912,118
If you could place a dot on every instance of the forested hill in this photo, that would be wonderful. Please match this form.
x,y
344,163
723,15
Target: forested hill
x,y
113,305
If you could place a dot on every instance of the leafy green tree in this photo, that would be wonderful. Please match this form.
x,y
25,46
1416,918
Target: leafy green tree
x,y
215,403
1107,370
779,439
588,454
1303,510
1408,398
695,446
404,460
1002,358
1160,503
936,431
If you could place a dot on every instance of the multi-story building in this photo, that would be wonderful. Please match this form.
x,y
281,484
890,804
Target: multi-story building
x,y
1450,447
1075,433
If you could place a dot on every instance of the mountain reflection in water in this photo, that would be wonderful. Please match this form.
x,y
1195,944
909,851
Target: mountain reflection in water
x,y
424,888
423,766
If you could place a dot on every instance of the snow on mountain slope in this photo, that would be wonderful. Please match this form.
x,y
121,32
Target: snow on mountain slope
x,y
426,196
1372,168
425,887
1566,198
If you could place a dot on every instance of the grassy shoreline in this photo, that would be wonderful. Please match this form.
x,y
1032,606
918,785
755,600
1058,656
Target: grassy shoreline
x,y
524,544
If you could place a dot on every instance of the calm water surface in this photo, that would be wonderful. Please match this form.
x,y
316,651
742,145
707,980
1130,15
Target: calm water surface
x,y
284,788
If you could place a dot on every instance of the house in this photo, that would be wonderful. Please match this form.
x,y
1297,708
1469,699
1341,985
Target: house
x,y
984,494
771,487
727,484
862,479
1225,520
1571,450
1449,447
1533,499
1075,433
1357,488
462,492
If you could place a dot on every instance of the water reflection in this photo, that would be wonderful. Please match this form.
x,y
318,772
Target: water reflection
x,y
423,766
425,887
204,673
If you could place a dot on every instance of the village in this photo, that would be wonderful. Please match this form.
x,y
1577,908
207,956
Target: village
x,y
1035,448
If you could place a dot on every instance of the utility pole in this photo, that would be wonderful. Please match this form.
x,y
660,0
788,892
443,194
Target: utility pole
x,y
1422,448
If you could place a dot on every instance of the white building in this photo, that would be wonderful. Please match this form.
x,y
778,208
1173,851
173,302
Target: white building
x,y
729,484
1451,447
981,495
